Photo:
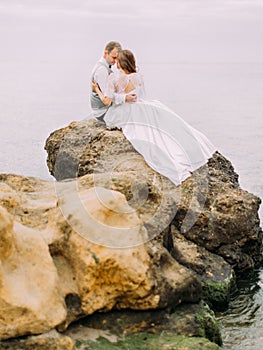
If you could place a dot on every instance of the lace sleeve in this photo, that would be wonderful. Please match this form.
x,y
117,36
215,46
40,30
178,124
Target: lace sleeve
x,y
113,90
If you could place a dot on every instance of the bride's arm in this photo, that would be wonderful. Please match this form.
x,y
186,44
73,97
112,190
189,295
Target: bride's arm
x,y
111,95
116,93
120,98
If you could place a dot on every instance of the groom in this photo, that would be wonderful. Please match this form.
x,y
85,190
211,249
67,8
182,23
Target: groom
x,y
100,74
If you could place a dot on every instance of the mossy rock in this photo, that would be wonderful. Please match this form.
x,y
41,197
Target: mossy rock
x,y
145,341
208,325
189,320
217,293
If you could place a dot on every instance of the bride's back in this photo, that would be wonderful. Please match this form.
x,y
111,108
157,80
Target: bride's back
x,y
130,87
127,83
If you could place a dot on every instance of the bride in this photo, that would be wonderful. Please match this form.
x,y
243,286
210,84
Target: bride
x,y
168,144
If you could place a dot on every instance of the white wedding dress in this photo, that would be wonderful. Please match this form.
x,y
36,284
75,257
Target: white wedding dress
x,y
168,144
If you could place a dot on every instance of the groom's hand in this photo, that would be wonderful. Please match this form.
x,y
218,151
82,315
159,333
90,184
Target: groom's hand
x,y
131,98
94,85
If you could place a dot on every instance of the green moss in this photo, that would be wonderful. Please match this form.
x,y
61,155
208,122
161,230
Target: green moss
x,y
218,293
208,325
145,341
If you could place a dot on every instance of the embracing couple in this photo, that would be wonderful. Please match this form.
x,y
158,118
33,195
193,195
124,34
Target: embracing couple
x,y
168,144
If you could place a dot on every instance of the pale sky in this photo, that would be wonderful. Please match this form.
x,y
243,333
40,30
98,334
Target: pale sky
x,y
159,30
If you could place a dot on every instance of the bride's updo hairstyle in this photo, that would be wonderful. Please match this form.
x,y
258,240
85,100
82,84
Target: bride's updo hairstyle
x,y
127,61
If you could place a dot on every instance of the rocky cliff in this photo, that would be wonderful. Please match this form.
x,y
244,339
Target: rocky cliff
x,y
209,209
112,234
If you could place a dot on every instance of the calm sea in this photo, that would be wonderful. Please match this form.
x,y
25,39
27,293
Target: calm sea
x,y
204,59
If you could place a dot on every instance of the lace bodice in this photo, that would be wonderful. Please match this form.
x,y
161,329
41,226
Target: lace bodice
x,y
118,82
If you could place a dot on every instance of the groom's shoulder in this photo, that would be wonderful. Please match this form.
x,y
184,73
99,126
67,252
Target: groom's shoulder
x,y
100,68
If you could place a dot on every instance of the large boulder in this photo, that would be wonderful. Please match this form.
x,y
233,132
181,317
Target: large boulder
x,y
62,259
209,208
112,234
26,266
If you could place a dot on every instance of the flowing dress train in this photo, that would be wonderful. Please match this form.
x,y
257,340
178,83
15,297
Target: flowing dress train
x,y
168,144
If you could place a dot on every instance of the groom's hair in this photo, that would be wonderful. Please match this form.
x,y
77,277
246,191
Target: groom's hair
x,y
111,45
